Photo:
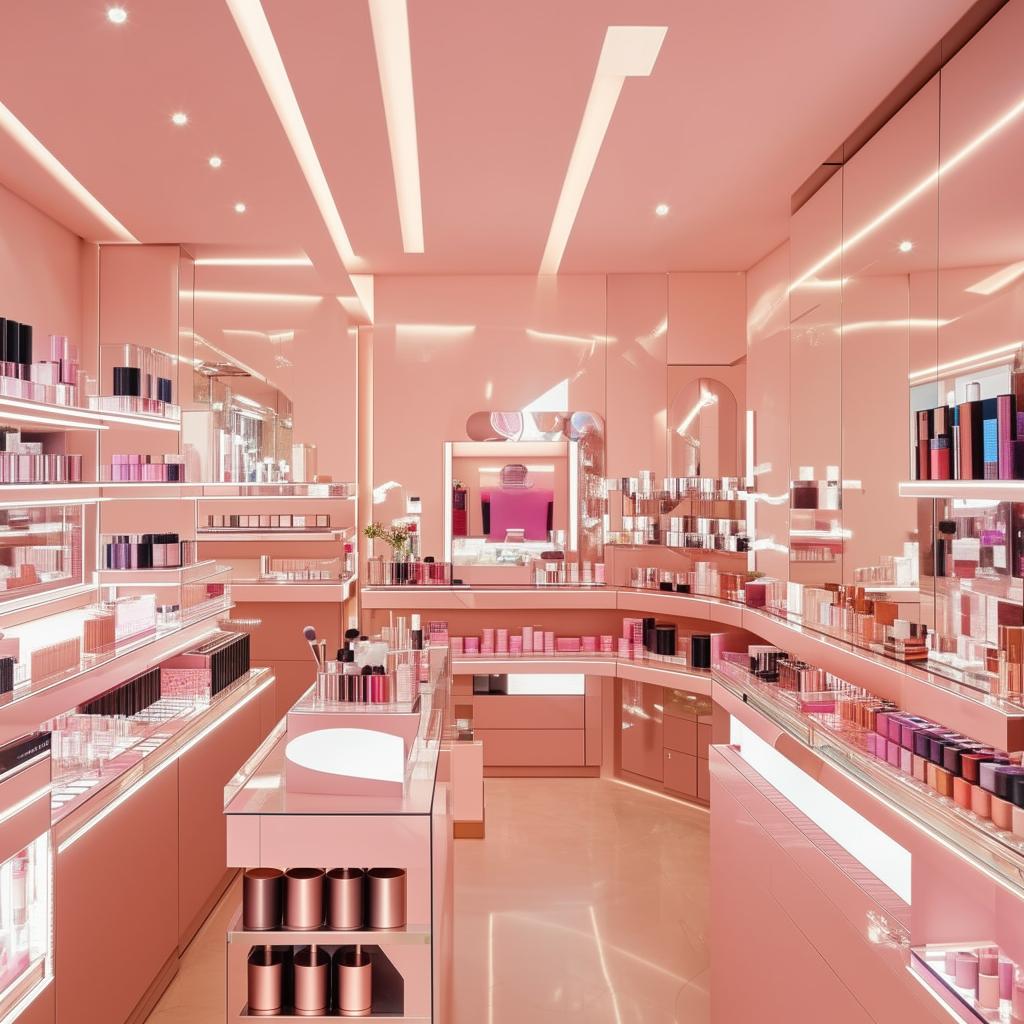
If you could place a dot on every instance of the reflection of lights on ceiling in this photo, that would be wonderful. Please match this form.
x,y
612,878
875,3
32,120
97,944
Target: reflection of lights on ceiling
x,y
989,355
551,336
629,51
215,161
906,245
117,15
254,261
662,209
381,492
921,187
489,389
706,398
259,40
254,296
179,118
390,22
910,323
431,330
533,467
824,283
1000,279
240,207
42,156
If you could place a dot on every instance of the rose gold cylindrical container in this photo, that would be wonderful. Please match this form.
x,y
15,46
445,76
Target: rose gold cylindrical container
x,y
261,899
312,982
304,898
345,888
353,975
386,897
266,978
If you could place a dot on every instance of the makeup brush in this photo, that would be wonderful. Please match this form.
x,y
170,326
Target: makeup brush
x,y
317,647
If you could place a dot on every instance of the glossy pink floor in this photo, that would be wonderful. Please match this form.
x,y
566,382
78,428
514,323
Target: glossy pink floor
x,y
587,902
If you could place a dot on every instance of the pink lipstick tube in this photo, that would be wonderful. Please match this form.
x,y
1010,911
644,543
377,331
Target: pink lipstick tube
x,y
345,898
386,894
304,898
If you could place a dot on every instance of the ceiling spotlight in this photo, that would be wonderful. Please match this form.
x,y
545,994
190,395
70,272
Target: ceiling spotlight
x,y
661,209
179,118
906,246
239,207
215,161
117,15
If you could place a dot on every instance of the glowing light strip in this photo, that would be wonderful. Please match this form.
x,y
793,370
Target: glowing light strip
x,y
138,786
1000,279
910,323
81,419
971,361
256,297
551,336
628,51
49,163
390,22
858,236
253,261
21,805
259,40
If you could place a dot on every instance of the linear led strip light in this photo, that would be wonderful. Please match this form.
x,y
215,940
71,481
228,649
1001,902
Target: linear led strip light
x,y
629,51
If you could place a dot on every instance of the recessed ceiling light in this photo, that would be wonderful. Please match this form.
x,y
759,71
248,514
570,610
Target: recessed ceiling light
x,y
906,246
117,15
239,207
179,118
215,161
661,209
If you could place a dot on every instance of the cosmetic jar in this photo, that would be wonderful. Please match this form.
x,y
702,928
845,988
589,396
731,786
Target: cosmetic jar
x,y
304,898
386,897
353,974
261,899
265,980
311,975
345,897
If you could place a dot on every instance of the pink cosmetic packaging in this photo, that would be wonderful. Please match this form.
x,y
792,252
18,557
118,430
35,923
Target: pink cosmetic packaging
x,y
1006,979
607,644
966,973
549,642
528,638
502,641
538,640
456,644
515,646
567,645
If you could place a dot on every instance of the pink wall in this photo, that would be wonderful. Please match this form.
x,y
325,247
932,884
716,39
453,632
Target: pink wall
x,y
445,347
40,272
768,397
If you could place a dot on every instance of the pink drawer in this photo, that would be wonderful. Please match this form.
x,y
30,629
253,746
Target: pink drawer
x,y
703,780
681,772
703,740
520,748
501,712
681,734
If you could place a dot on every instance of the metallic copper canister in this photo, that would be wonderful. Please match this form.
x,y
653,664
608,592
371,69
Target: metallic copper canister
x,y
312,982
345,898
304,898
266,981
353,976
261,899
386,897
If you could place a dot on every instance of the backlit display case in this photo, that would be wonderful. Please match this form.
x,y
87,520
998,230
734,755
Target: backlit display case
x,y
41,550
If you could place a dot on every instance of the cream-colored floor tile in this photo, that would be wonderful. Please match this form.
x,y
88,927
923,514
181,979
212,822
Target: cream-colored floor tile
x,y
587,903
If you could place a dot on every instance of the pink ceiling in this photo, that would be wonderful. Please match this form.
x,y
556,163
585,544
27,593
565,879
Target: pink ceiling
x,y
745,100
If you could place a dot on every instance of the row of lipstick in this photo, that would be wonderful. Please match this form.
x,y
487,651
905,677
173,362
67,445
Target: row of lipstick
x,y
983,977
145,469
265,521
147,551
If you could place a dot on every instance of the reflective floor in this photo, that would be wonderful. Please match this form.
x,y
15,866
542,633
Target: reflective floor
x,y
587,902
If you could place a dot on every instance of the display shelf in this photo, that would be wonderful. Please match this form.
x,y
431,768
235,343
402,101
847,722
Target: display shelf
x,y
197,572
341,491
402,598
410,935
982,490
843,745
37,700
558,664
43,416
174,726
684,605
290,591
227,536
291,1018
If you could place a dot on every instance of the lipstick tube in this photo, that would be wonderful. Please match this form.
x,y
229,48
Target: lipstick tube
x,y
265,980
353,974
261,898
304,898
386,895
311,976
345,898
